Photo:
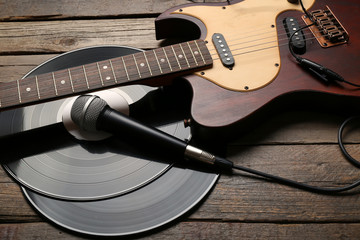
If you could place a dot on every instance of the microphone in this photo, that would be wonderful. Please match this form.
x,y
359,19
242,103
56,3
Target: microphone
x,y
91,113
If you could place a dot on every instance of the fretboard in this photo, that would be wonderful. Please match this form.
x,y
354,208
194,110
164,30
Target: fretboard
x,y
142,67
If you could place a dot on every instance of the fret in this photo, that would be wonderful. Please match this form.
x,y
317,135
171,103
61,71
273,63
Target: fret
x,y
197,52
18,87
62,81
53,77
157,60
71,82
167,59
27,90
93,76
37,87
180,56
176,57
78,79
119,70
86,79
154,68
45,85
147,62
113,72
127,74
101,79
173,58
136,65
131,67
142,65
192,54
106,72
204,52
163,62
183,52
202,57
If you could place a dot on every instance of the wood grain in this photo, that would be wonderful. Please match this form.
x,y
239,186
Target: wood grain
x,y
29,10
61,36
241,197
201,231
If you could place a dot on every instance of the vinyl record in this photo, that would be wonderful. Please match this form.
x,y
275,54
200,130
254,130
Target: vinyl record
x,y
149,192
79,170
161,201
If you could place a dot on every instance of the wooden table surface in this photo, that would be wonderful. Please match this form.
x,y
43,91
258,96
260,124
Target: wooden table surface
x,y
298,145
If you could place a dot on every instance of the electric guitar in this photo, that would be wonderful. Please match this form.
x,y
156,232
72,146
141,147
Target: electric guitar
x,y
239,66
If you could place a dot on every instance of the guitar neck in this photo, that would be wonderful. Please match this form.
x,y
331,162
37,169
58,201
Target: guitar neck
x,y
147,68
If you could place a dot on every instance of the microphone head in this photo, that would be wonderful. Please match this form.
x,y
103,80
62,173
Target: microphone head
x,y
86,110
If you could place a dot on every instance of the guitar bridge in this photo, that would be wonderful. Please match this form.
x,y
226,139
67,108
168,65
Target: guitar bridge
x,y
327,30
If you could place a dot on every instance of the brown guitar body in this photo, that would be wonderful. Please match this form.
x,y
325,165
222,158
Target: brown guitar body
x,y
219,110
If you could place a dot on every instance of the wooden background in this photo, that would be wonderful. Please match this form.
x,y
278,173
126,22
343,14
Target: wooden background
x,y
296,145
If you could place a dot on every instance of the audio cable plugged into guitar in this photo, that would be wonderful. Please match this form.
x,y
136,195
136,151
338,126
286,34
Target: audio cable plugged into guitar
x,y
92,113
321,72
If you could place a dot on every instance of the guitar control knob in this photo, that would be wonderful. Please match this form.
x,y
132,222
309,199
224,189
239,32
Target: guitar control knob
x,y
293,1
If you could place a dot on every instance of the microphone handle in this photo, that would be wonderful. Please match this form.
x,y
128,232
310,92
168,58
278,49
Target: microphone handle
x,y
136,132
132,130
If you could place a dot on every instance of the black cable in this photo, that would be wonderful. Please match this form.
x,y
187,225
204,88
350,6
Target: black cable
x,y
352,84
296,184
305,11
228,165
290,41
340,141
322,72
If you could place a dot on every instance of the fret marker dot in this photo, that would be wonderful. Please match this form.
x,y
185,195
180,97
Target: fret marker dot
x,y
196,52
180,56
105,67
142,64
62,82
162,60
28,89
108,78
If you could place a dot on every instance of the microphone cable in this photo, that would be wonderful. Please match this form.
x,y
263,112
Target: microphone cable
x,y
92,113
304,186
320,71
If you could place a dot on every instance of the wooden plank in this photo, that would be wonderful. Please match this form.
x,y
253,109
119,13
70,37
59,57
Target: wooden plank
x,y
14,207
15,67
27,10
199,230
300,127
62,36
239,197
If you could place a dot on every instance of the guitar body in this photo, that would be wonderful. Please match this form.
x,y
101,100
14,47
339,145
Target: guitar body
x,y
265,77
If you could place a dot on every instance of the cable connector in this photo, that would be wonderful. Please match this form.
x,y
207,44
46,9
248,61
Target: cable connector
x,y
320,71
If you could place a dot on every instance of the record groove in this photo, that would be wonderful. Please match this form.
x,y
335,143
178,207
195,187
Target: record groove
x,y
149,192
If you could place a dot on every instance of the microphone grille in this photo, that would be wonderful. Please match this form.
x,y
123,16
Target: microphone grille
x,y
86,110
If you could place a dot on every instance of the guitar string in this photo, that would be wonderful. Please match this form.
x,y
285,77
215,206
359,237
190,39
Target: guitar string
x,y
259,44
258,39
264,38
260,49
280,40
231,39
64,75
242,53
